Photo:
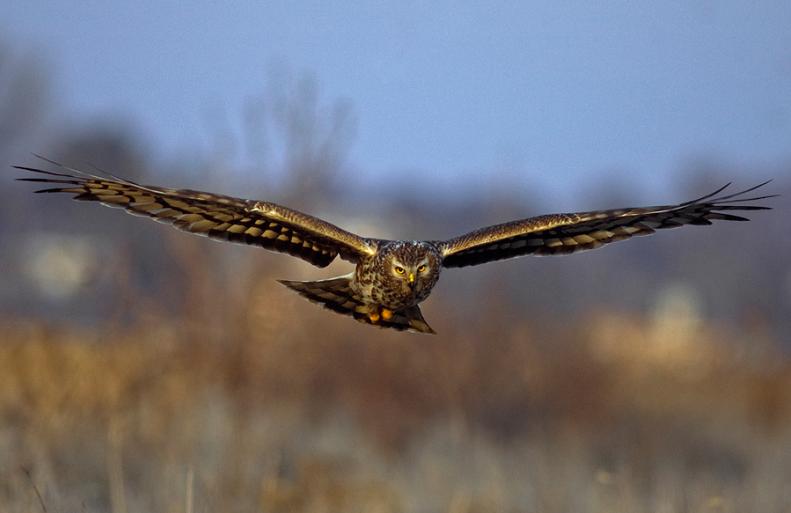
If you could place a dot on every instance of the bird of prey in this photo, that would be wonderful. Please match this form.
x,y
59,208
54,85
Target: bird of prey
x,y
391,277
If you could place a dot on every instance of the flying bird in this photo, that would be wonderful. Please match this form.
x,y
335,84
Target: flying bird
x,y
391,277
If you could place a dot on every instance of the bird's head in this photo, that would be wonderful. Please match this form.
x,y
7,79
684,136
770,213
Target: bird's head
x,y
412,266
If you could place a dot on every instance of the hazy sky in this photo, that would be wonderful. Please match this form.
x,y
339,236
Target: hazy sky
x,y
555,92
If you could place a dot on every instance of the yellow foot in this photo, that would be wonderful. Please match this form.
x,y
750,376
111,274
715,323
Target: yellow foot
x,y
374,317
387,314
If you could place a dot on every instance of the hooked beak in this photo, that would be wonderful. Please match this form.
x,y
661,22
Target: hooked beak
x,y
411,280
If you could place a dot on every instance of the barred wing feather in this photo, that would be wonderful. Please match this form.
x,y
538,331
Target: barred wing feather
x,y
257,223
557,234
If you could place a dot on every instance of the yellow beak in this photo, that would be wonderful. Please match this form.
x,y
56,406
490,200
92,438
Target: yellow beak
x,y
411,278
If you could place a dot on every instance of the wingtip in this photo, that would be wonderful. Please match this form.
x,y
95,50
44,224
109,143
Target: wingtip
x,y
25,168
47,191
707,196
45,159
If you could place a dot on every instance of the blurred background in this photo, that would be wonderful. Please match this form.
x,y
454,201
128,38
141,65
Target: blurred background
x,y
142,369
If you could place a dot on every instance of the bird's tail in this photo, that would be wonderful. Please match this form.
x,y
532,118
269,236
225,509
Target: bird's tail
x,y
336,294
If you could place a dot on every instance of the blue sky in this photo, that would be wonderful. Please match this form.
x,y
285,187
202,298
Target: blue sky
x,y
454,92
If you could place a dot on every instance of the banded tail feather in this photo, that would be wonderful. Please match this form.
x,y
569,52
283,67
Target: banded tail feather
x,y
335,294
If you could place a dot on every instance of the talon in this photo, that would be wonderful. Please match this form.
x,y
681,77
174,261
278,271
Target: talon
x,y
387,314
374,317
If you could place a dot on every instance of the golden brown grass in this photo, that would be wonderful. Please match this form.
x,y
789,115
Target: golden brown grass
x,y
170,415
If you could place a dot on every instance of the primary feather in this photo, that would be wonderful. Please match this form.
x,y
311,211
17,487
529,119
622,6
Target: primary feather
x,y
258,223
558,234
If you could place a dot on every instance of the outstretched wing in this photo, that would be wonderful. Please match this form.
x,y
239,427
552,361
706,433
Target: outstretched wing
x,y
558,234
257,223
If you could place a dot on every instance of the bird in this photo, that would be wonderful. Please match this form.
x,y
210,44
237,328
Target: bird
x,y
391,277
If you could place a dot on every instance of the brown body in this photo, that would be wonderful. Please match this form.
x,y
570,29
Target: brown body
x,y
377,279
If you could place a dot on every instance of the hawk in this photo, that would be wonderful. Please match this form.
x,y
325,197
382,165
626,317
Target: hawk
x,y
391,277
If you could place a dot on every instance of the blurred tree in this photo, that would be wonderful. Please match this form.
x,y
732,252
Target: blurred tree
x,y
299,138
25,101
24,97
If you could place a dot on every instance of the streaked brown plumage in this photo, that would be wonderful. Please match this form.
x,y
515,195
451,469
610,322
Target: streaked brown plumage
x,y
391,277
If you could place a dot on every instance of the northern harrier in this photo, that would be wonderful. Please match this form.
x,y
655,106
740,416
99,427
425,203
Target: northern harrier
x,y
391,277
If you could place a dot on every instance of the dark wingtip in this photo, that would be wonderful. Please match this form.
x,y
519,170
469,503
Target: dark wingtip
x,y
707,196
41,171
726,217
45,159
76,172
47,180
724,199
741,207
47,191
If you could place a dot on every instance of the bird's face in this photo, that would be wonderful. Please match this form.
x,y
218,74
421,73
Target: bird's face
x,y
412,268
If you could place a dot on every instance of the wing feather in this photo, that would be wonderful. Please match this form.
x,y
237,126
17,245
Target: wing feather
x,y
219,217
559,234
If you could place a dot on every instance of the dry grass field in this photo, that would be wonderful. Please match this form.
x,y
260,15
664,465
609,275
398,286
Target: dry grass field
x,y
246,410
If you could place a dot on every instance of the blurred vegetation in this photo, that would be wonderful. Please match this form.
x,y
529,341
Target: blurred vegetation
x,y
142,369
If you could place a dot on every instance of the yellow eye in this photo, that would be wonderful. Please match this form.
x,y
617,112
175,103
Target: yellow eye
x,y
421,269
399,270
